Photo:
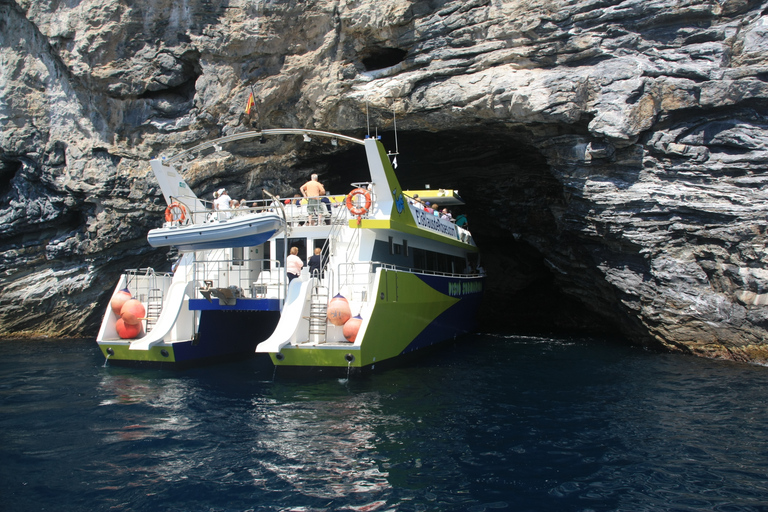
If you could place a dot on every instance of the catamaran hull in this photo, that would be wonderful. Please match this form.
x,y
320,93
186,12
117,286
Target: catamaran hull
x,y
410,312
247,231
223,335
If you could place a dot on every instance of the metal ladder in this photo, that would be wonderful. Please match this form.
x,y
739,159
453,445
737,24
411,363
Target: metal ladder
x,y
318,312
154,307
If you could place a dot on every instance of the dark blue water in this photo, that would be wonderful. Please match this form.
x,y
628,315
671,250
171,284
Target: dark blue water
x,y
492,423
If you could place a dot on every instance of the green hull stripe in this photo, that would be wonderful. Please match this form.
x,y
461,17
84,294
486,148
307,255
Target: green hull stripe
x,y
325,357
405,306
123,353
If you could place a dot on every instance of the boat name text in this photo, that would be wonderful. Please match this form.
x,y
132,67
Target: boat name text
x,y
430,221
464,288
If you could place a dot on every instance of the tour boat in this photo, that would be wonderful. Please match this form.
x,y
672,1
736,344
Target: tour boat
x,y
393,277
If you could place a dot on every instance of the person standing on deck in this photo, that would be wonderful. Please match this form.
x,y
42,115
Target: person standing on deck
x,y
222,204
293,264
315,263
325,207
312,190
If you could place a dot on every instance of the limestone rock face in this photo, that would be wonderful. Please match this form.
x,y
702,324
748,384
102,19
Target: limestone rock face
x,y
614,155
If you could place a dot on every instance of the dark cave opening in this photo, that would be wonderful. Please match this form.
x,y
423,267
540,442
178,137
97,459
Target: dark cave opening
x,y
184,89
509,194
181,93
380,58
8,170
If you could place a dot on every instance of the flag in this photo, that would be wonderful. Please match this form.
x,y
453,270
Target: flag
x,y
394,163
251,103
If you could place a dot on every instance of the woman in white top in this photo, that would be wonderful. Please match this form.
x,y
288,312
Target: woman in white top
x,y
293,264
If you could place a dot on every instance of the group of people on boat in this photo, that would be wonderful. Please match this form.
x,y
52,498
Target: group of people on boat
x,y
225,206
294,264
434,208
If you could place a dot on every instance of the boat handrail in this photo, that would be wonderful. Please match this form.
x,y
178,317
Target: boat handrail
x,y
358,277
211,215
411,270
140,282
148,271
293,215
239,273
373,265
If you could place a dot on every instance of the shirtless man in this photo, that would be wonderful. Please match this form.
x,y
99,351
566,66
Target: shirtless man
x,y
312,190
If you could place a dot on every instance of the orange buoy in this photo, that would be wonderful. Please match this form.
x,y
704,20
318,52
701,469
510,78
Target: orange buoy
x,y
127,331
338,310
118,299
175,212
351,328
355,201
132,312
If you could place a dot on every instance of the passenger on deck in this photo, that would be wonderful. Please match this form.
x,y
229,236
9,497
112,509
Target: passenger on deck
x,y
222,203
296,201
325,203
446,215
313,190
415,201
315,263
435,209
427,207
293,264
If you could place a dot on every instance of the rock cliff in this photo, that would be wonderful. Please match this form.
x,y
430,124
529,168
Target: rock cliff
x,y
613,153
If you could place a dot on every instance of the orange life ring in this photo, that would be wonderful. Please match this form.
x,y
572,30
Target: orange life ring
x,y
359,210
175,212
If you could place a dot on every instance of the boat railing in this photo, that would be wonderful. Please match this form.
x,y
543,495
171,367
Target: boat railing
x,y
411,270
295,210
209,214
245,278
145,283
356,278
337,214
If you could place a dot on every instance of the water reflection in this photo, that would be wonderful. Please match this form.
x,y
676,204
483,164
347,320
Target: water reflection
x,y
321,446
496,423
318,444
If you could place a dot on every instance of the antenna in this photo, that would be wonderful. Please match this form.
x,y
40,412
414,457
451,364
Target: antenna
x,y
367,119
394,118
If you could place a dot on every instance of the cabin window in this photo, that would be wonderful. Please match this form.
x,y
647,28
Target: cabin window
x,y
420,259
237,256
391,246
318,242
267,264
280,249
405,247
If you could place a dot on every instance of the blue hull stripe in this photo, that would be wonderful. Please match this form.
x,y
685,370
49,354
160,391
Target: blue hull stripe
x,y
240,305
221,334
457,319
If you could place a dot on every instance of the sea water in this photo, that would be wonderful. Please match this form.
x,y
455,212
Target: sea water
x,y
488,423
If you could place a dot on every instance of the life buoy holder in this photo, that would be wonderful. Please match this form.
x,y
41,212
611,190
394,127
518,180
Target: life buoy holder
x,y
357,209
175,212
